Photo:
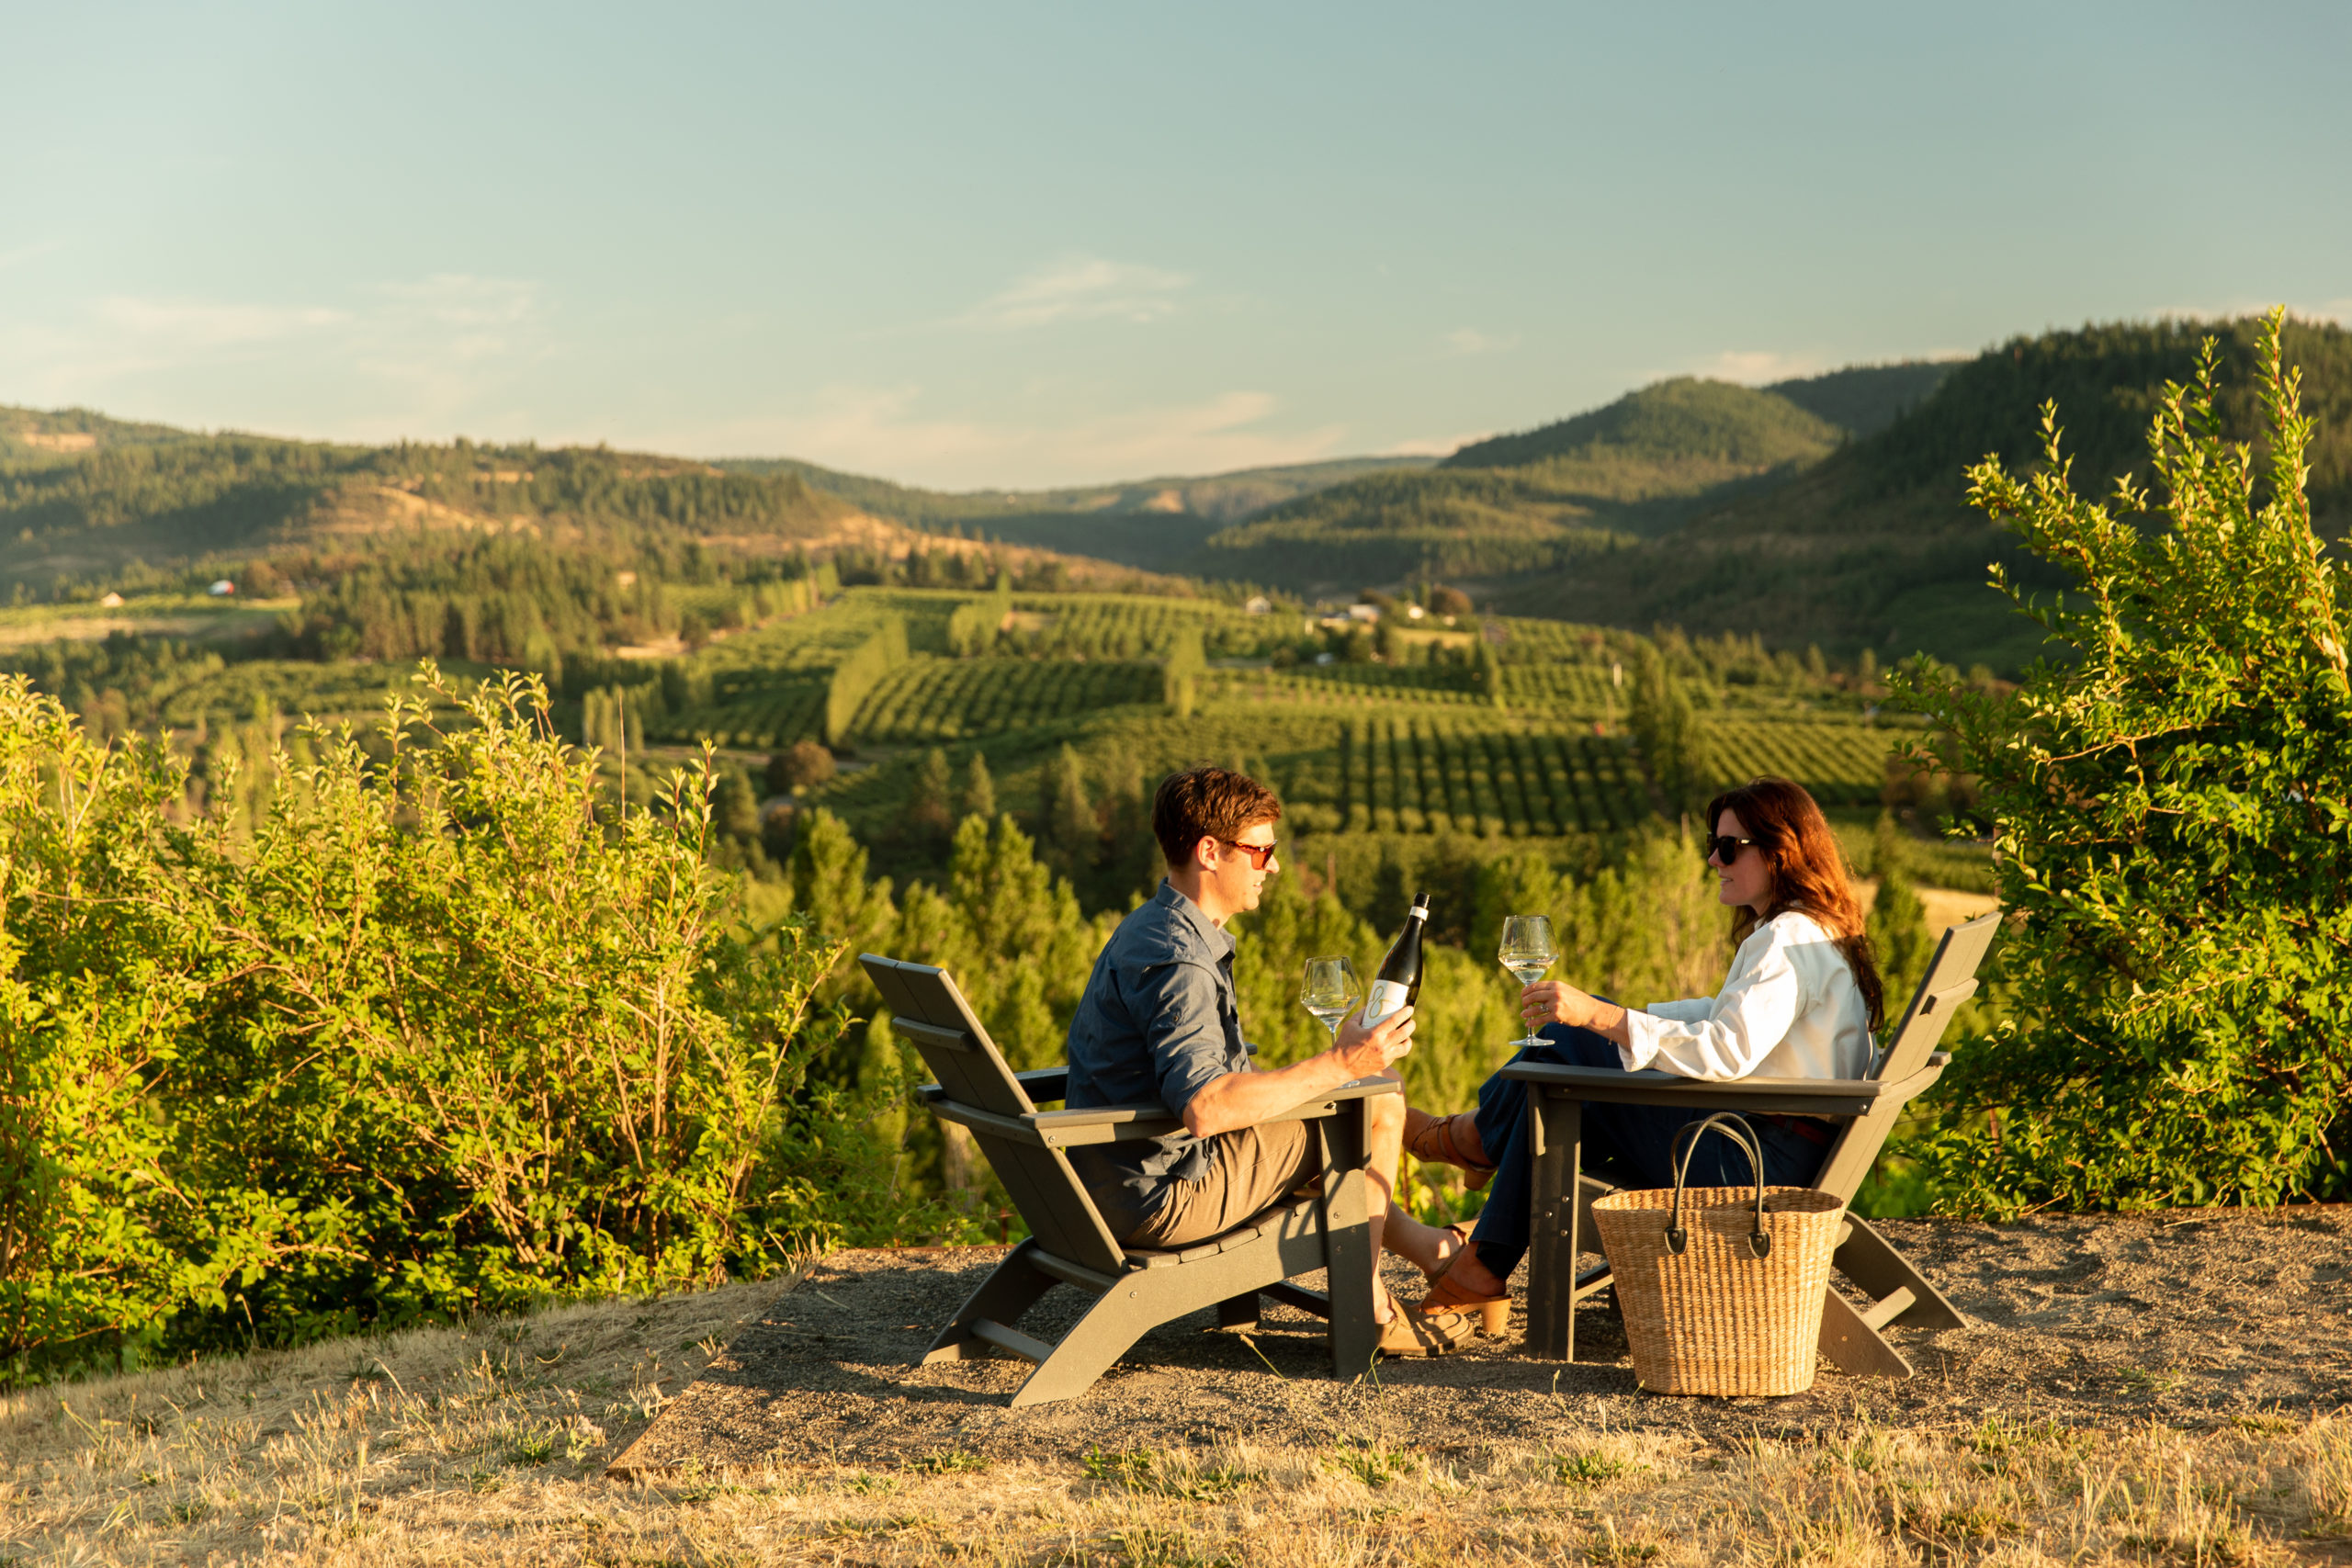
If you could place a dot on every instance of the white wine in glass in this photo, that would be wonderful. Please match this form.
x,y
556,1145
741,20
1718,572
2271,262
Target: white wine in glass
x,y
1329,990
1527,950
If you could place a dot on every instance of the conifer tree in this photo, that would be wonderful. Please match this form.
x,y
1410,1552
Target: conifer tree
x,y
736,807
978,798
1665,729
1071,827
930,815
1489,675
1897,926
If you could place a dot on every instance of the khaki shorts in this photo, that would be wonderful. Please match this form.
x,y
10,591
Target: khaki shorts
x,y
1255,1168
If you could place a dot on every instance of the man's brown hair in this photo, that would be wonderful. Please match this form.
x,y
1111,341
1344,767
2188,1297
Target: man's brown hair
x,y
1207,803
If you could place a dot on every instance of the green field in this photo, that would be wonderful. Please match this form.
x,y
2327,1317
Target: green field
x,y
1360,748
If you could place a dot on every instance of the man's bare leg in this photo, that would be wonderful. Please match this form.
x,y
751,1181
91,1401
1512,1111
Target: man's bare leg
x,y
1464,1266
1428,1248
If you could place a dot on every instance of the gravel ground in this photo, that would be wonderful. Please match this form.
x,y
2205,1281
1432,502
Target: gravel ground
x,y
2191,1319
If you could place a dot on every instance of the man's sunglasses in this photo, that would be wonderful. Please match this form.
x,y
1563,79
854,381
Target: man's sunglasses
x,y
1722,847
1258,853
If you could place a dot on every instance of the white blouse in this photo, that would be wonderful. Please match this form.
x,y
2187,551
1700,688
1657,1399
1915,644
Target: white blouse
x,y
1789,1009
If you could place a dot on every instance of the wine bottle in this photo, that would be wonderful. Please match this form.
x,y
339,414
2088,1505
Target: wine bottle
x,y
1398,984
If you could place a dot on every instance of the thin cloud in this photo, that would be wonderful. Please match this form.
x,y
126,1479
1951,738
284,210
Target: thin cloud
x,y
1753,367
408,356
1470,340
440,344
884,430
1081,289
168,325
462,299
28,252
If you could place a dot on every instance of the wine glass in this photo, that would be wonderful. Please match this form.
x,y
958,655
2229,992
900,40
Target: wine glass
x,y
1329,990
1527,950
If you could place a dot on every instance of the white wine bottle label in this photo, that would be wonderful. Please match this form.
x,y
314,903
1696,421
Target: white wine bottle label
x,y
1386,996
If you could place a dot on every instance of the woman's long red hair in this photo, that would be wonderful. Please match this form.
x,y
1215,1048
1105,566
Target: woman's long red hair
x,y
1808,874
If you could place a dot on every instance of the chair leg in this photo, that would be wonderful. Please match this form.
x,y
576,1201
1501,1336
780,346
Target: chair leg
x,y
1871,1261
1011,1289
1110,1326
1555,1132
1350,1262
1853,1346
1238,1311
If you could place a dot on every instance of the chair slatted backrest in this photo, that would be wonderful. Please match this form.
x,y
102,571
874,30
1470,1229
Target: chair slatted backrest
x,y
954,1045
1949,980
927,1009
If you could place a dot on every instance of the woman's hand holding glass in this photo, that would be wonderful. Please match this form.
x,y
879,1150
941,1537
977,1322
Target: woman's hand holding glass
x,y
1527,950
1557,1001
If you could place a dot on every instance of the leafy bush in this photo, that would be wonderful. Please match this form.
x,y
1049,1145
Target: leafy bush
x,y
799,765
2173,815
431,1038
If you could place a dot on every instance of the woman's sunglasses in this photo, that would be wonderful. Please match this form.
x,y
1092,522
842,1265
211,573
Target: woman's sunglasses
x,y
1722,847
1258,853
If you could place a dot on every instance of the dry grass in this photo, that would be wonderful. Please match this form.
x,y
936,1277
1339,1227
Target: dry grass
x,y
488,1445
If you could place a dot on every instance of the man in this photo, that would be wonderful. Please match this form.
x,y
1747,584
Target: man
x,y
1160,1021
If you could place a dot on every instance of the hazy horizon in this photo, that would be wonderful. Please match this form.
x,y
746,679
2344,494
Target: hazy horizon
x,y
1041,246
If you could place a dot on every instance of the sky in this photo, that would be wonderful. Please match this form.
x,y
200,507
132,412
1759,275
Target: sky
x,y
982,245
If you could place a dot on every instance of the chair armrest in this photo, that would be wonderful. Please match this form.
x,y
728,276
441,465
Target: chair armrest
x,y
1161,1123
1363,1088
1129,1124
1112,1116
1802,1097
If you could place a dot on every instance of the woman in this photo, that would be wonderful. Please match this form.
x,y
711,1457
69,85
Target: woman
x,y
1802,1000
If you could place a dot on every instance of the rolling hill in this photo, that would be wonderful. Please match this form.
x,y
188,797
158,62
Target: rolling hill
x,y
1822,510
87,501
1156,524
1594,484
1875,544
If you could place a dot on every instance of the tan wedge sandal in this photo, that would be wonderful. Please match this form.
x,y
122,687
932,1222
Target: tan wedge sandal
x,y
1447,1298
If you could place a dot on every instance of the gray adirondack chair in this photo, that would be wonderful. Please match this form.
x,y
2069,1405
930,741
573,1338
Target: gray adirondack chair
x,y
1135,1290
1868,1108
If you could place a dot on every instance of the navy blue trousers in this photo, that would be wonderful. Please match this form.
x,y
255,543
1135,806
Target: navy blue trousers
x,y
1631,1145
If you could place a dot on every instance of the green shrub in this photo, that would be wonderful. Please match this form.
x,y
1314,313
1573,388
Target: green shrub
x,y
2173,816
432,1037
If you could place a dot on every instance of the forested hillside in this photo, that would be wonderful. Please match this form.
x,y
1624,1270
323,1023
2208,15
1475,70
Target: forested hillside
x,y
1876,546
1675,421
1823,510
1863,399
1526,504
90,509
1157,525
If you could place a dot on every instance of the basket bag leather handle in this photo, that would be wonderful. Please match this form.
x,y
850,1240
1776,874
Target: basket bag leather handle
x,y
1686,1143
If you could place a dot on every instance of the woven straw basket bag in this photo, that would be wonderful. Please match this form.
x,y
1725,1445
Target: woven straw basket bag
x,y
1720,1287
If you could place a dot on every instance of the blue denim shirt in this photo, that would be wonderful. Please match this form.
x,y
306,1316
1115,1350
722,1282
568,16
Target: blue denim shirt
x,y
1159,1020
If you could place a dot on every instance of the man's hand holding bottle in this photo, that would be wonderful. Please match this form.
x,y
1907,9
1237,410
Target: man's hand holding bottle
x,y
1368,1051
